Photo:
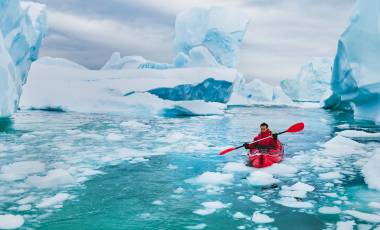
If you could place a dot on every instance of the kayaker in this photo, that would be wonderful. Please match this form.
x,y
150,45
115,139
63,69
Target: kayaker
x,y
268,143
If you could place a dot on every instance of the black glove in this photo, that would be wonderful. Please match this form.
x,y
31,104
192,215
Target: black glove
x,y
246,145
275,135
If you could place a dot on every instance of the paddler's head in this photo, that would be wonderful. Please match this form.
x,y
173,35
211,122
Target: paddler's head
x,y
263,127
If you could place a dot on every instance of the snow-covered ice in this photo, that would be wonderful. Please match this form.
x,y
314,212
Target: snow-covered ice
x,y
259,178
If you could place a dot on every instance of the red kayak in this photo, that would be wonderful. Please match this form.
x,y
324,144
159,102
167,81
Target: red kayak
x,y
261,158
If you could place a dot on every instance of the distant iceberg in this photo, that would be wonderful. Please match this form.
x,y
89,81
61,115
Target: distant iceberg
x,y
22,29
215,33
257,92
311,83
355,78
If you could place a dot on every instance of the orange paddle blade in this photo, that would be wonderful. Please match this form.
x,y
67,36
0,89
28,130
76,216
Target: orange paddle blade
x,y
227,150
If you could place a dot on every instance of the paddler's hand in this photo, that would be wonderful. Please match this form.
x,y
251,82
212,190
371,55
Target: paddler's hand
x,y
275,135
246,145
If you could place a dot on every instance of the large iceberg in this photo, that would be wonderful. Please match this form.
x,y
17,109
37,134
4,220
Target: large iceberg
x,y
355,78
213,35
311,83
257,92
22,29
179,91
116,62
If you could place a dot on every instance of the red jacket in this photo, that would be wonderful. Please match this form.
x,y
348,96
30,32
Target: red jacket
x,y
269,142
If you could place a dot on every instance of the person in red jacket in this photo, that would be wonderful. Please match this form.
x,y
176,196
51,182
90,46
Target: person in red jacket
x,y
268,143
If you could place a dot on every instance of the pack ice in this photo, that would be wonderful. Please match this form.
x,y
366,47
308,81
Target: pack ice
x,y
22,29
355,78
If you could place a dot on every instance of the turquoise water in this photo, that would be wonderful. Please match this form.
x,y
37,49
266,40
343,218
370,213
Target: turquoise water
x,y
116,190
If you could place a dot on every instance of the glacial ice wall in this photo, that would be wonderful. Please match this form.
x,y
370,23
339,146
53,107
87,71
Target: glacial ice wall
x,y
355,77
22,29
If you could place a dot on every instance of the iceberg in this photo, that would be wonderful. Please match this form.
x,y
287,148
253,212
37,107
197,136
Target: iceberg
x,y
257,92
311,83
213,35
22,29
168,92
116,62
355,80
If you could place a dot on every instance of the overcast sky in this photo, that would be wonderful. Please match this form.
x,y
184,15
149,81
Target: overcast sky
x,y
282,35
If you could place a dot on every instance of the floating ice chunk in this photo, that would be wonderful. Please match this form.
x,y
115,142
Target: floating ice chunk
x,y
357,133
374,205
172,167
54,200
329,210
204,212
196,227
20,170
212,178
302,187
27,200
158,202
259,178
210,207
215,204
9,221
134,125
260,218
331,194
340,145
240,215
372,218
194,108
114,137
281,170
24,207
345,225
241,197
371,172
331,175
298,190
294,203
232,167
55,177
257,199
179,190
